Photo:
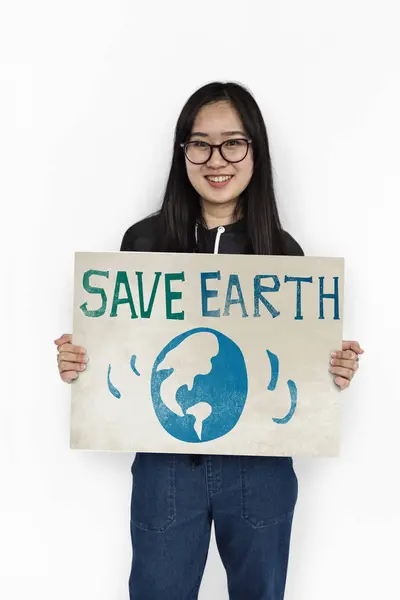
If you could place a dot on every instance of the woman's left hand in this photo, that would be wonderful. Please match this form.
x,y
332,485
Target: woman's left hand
x,y
345,363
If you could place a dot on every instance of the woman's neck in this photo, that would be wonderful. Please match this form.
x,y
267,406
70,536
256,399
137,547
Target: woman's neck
x,y
215,215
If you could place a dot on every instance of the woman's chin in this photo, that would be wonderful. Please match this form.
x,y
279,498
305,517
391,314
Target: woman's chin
x,y
218,198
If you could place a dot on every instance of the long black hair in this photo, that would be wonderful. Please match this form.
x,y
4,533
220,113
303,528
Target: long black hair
x,y
257,204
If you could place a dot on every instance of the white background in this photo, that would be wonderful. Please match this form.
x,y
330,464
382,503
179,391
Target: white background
x,y
90,93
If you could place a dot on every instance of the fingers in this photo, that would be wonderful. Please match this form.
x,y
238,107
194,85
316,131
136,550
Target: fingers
x,y
65,338
352,345
68,376
342,372
64,344
345,354
71,349
71,355
71,359
352,364
342,382
64,365
345,363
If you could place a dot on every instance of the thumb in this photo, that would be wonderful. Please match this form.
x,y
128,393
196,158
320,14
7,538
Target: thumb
x,y
352,345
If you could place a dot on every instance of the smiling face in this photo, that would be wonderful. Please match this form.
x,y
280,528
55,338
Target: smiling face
x,y
216,123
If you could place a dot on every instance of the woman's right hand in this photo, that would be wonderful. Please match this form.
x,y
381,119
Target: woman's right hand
x,y
71,359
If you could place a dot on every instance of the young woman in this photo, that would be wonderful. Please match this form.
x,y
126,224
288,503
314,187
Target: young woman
x,y
219,198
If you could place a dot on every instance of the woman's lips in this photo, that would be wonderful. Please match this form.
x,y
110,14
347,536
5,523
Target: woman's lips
x,y
221,180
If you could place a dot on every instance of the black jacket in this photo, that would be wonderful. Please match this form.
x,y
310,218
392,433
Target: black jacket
x,y
141,237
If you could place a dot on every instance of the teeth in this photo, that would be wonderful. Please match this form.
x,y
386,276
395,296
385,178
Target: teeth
x,y
220,179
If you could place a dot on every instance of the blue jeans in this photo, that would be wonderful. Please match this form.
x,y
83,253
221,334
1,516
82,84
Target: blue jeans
x,y
174,500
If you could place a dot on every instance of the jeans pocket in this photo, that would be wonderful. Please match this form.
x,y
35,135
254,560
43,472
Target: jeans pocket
x,y
153,491
269,489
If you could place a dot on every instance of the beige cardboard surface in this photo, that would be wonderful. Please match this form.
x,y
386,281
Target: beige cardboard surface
x,y
172,376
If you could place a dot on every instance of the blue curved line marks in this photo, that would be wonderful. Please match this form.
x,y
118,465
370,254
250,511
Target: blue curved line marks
x,y
112,389
293,403
274,361
133,365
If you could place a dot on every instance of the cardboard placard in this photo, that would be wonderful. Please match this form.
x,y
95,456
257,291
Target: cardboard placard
x,y
207,354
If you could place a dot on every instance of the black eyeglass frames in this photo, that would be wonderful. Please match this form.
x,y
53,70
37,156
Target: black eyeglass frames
x,y
199,152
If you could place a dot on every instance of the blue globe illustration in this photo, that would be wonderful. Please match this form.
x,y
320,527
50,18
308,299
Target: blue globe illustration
x,y
199,385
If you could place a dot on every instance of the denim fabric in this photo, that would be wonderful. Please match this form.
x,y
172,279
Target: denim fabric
x,y
174,500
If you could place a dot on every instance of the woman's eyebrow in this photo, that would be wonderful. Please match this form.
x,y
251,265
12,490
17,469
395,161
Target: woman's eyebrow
x,y
233,133
225,133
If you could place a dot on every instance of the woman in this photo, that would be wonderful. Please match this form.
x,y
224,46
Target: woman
x,y
219,198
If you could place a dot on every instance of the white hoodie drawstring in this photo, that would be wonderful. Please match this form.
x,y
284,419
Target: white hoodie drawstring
x,y
220,231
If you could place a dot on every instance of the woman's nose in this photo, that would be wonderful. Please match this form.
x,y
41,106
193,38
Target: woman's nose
x,y
216,159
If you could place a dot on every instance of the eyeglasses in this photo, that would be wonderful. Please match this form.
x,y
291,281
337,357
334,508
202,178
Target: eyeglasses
x,y
200,152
